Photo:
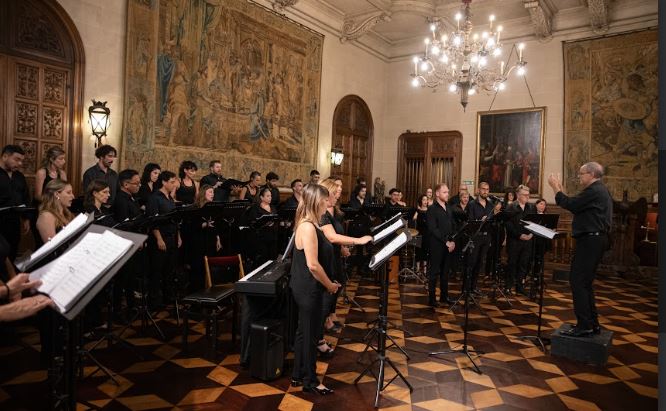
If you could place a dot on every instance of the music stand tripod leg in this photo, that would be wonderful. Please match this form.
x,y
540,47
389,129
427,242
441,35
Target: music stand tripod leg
x,y
538,337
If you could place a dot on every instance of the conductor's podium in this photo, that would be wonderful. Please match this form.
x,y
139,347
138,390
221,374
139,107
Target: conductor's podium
x,y
590,350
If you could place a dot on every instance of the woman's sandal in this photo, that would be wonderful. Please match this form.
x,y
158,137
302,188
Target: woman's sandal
x,y
320,391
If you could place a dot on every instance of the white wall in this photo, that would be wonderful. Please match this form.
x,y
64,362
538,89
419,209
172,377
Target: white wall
x,y
422,109
101,25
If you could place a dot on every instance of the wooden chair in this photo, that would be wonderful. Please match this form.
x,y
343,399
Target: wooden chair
x,y
213,302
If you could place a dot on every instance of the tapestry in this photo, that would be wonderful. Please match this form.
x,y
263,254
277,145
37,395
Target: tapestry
x,y
221,80
611,111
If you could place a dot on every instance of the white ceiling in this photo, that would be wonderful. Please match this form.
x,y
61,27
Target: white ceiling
x,y
393,29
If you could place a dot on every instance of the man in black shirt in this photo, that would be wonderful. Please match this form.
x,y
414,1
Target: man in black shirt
x,y
314,177
440,223
480,209
271,183
519,241
455,200
126,207
165,239
392,207
215,180
102,170
13,192
295,198
593,212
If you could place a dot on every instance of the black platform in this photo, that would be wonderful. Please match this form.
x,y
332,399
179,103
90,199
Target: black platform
x,y
590,350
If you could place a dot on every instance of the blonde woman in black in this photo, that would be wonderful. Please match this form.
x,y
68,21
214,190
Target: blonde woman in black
x,y
310,269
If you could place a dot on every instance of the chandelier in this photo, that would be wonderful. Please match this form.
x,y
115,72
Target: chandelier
x,y
466,62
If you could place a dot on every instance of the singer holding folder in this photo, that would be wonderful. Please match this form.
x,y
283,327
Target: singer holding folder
x,y
310,268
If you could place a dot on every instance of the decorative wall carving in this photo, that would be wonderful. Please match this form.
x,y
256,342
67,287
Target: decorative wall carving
x,y
26,118
611,111
541,19
52,123
27,78
281,5
54,86
225,80
35,31
30,159
598,10
353,29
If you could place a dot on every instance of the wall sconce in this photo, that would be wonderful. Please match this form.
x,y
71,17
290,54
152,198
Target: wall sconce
x,y
337,156
99,120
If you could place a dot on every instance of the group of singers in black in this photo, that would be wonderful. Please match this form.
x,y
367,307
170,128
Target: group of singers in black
x,y
317,272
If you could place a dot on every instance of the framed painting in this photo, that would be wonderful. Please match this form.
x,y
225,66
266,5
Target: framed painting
x,y
510,146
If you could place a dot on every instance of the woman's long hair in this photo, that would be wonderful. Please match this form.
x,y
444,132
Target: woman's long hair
x,y
51,154
51,204
308,208
95,186
332,187
201,197
147,170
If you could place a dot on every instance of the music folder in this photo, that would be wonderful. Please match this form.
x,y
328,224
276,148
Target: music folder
x,y
389,249
74,278
542,225
64,237
387,223
387,231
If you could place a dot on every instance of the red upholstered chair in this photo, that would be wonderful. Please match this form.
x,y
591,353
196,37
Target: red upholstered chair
x,y
214,301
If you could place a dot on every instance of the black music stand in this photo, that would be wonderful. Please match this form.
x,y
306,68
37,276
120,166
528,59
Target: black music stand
x,y
497,220
472,229
549,221
62,373
378,262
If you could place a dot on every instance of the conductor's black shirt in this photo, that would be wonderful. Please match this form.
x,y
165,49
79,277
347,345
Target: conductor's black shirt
x,y
592,209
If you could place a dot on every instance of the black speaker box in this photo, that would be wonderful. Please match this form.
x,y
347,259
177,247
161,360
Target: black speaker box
x,y
266,349
590,350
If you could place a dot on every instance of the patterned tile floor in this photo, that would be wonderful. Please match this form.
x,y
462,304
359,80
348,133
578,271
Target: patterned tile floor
x,y
516,374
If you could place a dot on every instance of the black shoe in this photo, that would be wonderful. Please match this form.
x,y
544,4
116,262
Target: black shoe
x,y
507,292
448,301
296,382
476,291
521,291
320,391
578,332
596,329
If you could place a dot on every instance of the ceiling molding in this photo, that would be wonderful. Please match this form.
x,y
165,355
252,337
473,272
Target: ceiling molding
x,y
281,5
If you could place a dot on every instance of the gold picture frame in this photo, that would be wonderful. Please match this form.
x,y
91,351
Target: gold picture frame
x,y
510,148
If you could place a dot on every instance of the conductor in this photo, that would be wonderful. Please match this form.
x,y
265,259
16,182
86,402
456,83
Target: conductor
x,y
592,209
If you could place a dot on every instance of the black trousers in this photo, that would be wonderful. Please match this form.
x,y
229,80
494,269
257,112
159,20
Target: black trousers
x,y
477,258
309,303
162,267
587,255
439,267
520,253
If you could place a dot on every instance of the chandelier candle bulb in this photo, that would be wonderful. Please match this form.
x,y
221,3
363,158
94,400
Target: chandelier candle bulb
x,y
521,46
499,30
501,68
491,18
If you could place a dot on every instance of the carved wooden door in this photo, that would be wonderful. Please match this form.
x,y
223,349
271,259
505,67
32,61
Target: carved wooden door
x,y
352,132
427,159
41,71
38,109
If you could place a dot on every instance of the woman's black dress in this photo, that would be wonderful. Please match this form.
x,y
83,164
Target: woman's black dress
x,y
422,227
337,273
308,293
186,194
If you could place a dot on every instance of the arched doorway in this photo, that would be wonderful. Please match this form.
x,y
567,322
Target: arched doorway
x,y
352,132
41,82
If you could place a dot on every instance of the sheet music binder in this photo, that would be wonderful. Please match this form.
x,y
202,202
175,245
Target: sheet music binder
x,y
91,290
60,240
542,225
389,249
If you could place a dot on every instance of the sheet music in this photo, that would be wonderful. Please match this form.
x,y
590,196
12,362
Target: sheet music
x,y
71,274
79,222
256,270
389,249
540,230
388,230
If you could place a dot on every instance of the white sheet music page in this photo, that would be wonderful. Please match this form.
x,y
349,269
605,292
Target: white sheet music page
x,y
388,230
77,269
58,239
389,249
540,230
